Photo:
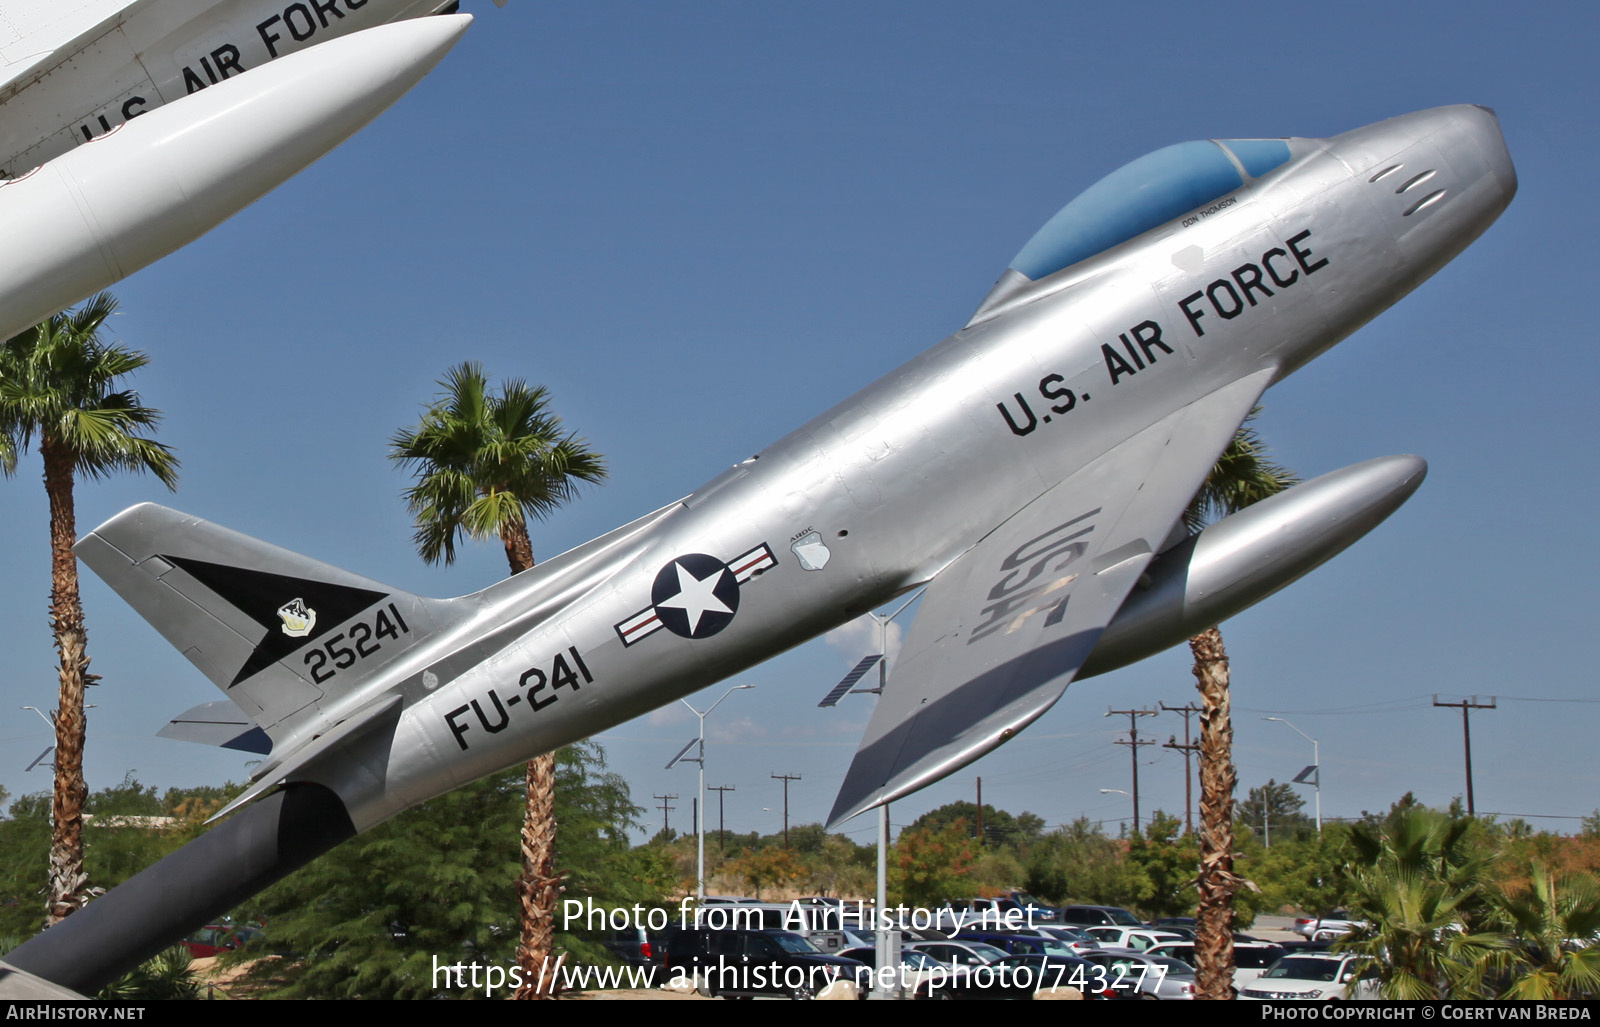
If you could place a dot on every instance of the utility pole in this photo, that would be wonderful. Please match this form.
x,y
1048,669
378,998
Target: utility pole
x,y
1187,748
1466,736
786,778
666,809
980,811
722,820
1133,744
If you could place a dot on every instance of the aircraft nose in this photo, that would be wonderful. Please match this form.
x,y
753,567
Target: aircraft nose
x,y
1466,136
1469,140
1444,174
1482,126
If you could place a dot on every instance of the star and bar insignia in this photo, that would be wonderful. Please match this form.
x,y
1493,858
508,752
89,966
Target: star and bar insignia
x,y
695,595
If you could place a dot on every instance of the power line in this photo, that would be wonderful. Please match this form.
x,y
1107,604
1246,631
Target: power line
x,y
1466,734
1187,748
1133,744
786,778
666,811
722,820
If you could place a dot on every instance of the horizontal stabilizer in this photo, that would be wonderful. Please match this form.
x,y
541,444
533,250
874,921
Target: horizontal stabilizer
x,y
383,712
219,723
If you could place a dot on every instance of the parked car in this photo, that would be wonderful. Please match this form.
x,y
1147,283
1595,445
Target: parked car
x,y
1014,943
959,953
745,963
1333,924
635,946
1139,939
924,976
1024,976
1323,975
1075,937
1145,976
1250,958
1099,916
820,924
1040,912
1002,913
215,939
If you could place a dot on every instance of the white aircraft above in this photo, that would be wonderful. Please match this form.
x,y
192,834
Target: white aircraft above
x,y
129,128
1030,471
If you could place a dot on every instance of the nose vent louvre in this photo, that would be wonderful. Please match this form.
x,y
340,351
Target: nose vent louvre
x,y
1415,180
1427,201
1386,172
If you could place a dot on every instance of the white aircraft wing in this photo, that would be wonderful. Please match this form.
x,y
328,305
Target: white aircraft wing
x,y
1004,628
32,30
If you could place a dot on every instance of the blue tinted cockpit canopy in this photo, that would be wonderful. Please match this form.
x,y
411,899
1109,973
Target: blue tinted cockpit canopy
x,y
1144,194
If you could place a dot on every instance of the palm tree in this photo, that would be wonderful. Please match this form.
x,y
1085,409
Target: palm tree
x,y
1243,475
1558,924
483,464
1419,891
58,384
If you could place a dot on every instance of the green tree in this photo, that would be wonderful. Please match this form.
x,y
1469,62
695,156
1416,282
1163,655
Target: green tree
x,y
999,826
1167,861
1079,863
59,384
1243,475
127,829
483,464
1275,811
1305,872
367,919
931,865
766,868
1420,899
1558,924
841,867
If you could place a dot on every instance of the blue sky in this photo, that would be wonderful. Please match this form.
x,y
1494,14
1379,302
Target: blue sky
x,y
699,225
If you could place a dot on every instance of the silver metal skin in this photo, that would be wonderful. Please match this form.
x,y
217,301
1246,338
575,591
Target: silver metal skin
x,y
77,69
1028,471
922,478
1240,560
100,174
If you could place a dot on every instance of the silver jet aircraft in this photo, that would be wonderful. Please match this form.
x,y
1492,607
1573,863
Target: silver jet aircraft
x,y
129,128
1029,471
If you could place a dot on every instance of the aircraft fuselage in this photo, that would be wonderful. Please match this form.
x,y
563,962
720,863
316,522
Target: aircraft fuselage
x,y
888,487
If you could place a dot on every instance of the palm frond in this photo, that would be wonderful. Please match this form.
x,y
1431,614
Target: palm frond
x,y
58,382
483,463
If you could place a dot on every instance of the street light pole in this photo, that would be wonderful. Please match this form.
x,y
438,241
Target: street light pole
x,y
1316,765
700,821
886,939
1119,791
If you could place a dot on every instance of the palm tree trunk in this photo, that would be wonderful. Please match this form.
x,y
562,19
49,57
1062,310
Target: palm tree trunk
x,y
519,549
68,882
1214,923
539,887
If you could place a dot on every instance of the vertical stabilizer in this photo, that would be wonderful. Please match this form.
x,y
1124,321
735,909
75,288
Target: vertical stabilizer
x,y
278,633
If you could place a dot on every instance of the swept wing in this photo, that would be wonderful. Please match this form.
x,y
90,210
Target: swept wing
x,y
1003,630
